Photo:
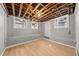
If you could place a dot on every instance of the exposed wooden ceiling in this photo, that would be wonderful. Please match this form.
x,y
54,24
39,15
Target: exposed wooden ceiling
x,y
39,11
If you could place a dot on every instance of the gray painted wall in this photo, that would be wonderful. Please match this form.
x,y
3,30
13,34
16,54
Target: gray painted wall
x,y
22,35
3,28
77,25
61,34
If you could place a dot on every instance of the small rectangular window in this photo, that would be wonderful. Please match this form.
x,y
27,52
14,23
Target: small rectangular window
x,y
20,23
34,25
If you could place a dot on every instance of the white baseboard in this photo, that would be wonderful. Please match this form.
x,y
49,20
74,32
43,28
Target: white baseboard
x,y
3,51
59,43
18,44
36,40
22,43
63,44
76,52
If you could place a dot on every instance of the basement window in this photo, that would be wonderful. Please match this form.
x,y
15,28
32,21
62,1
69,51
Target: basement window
x,y
20,23
34,25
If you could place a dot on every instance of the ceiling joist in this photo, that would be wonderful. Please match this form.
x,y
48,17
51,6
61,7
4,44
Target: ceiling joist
x,y
65,8
13,8
39,11
55,10
27,9
20,9
36,7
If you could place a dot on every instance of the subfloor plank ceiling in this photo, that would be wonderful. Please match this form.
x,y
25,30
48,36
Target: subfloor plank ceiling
x,y
39,12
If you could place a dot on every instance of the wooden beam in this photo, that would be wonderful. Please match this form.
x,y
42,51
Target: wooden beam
x,y
41,10
13,8
36,7
54,10
22,8
27,9
53,15
42,5
48,10
57,11
6,8
21,5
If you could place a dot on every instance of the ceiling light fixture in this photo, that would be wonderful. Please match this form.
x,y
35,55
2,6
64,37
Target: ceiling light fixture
x,y
39,14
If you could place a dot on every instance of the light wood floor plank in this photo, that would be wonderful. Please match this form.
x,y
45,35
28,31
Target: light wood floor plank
x,y
40,48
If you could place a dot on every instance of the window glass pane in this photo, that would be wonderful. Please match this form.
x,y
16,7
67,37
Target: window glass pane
x,y
19,23
34,25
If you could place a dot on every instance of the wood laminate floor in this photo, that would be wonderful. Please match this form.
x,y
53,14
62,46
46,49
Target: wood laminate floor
x,y
40,48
